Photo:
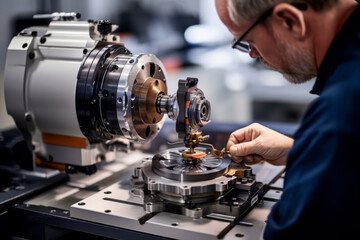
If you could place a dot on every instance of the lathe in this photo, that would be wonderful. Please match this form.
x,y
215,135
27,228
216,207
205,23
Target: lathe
x,y
82,100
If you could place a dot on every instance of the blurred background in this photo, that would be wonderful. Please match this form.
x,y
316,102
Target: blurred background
x,y
189,38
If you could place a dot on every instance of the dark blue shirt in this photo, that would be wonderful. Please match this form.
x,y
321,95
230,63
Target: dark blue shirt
x,y
321,192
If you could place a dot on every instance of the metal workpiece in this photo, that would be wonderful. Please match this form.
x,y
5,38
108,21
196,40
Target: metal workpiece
x,y
171,177
171,165
199,110
116,95
149,82
168,104
194,108
184,188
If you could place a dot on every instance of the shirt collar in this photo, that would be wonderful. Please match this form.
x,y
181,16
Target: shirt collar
x,y
332,56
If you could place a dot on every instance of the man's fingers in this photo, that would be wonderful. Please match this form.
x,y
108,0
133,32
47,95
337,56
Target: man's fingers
x,y
236,137
245,134
243,149
253,159
249,159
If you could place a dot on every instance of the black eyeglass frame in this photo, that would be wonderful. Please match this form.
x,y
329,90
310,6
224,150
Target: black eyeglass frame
x,y
242,46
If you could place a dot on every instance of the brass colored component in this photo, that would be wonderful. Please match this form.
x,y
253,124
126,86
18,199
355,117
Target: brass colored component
x,y
52,165
62,140
219,153
239,169
239,173
192,142
193,156
148,85
147,100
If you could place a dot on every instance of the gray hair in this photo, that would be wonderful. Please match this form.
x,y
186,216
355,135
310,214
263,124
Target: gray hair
x,y
250,10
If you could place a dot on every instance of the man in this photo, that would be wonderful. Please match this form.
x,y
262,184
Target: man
x,y
303,39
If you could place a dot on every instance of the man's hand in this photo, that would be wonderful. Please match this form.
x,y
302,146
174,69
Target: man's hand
x,y
256,143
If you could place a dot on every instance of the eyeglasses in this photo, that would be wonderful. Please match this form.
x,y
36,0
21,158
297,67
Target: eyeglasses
x,y
244,46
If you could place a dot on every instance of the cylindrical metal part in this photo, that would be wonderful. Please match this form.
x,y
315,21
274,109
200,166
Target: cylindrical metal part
x,y
199,110
117,93
168,104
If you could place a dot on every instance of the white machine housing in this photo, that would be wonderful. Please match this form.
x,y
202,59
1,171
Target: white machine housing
x,y
41,77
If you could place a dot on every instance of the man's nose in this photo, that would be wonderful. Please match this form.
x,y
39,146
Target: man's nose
x,y
254,53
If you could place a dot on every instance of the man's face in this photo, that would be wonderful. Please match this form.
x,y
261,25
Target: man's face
x,y
280,53
296,64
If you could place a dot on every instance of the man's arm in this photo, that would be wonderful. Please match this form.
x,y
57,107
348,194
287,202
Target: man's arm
x,y
256,143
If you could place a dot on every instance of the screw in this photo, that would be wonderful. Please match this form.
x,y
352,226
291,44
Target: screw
x,y
42,39
28,118
239,235
115,67
32,55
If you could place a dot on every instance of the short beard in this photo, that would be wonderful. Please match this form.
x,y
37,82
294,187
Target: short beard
x,y
297,65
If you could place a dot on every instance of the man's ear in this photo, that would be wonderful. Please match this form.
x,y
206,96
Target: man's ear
x,y
290,19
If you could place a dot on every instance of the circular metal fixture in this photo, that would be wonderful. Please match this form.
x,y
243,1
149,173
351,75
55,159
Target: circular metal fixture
x,y
116,94
171,165
171,178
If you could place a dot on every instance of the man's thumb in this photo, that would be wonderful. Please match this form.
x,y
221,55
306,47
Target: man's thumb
x,y
242,149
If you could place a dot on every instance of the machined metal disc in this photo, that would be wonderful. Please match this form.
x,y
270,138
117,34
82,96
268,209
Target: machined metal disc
x,y
171,165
